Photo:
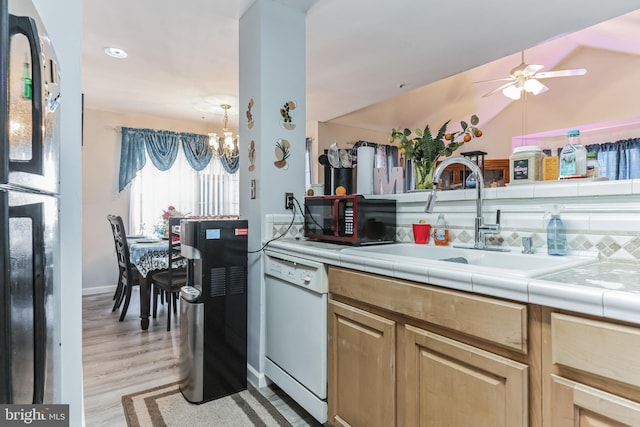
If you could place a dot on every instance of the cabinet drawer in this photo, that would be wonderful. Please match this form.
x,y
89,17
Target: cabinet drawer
x,y
604,349
499,322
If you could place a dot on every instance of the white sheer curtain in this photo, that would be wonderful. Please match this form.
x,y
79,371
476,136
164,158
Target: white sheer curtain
x,y
211,191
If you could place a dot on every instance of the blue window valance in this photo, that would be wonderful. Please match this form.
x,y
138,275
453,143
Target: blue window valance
x,y
162,148
132,156
196,150
230,164
619,159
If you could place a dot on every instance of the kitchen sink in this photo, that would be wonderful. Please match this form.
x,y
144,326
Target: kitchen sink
x,y
512,263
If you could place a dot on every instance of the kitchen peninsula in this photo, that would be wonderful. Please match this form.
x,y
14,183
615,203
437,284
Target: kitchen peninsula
x,y
410,340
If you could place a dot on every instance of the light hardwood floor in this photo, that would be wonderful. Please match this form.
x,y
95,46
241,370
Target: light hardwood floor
x,y
119,358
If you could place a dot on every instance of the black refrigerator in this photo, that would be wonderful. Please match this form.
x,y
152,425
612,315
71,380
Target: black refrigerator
x,y
29,185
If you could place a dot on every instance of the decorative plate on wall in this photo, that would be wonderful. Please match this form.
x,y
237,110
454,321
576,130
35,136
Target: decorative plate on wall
x,y
252,156
283,151
286,112
250,114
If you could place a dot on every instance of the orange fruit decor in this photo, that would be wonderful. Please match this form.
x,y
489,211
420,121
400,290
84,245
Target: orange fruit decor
x,y
340,190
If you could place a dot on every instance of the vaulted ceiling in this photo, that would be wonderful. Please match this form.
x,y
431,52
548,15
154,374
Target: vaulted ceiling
x,y
369,62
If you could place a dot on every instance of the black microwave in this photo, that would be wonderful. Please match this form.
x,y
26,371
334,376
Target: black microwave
x,y
351,219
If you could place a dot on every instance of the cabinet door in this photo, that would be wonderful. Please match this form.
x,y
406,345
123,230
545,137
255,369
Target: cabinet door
x,y
496,172
578,405
451,384
361,368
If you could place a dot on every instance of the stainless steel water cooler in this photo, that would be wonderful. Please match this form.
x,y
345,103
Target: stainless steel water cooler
x,y
213,309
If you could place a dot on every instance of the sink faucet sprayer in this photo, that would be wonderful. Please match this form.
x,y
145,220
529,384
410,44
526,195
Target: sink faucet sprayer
x,y
480,229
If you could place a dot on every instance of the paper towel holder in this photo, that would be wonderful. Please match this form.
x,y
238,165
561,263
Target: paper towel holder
x,y
364,168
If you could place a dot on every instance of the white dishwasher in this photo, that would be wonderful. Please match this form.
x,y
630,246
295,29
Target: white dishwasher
x,y
296,329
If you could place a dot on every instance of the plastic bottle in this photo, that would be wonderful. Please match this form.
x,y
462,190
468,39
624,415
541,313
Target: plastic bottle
x,y
441,234
556,234
573,158
27,85
593,167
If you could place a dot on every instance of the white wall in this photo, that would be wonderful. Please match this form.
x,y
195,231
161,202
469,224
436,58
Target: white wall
x,y
271,40
100,197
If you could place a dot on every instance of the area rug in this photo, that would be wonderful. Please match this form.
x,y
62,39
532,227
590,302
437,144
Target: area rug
x,y
165,406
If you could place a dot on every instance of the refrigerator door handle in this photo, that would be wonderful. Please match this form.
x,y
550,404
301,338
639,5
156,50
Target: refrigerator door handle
x,y
27,26
5,315
35,212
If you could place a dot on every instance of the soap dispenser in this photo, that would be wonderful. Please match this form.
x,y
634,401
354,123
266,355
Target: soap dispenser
x,y
556,234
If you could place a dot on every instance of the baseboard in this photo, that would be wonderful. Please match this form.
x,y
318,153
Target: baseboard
x,y
98,290
255,378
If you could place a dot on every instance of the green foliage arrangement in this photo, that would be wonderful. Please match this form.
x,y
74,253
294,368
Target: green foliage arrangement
x,y
424,146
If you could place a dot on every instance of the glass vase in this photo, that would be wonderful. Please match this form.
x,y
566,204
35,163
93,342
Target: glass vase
x,y
423,174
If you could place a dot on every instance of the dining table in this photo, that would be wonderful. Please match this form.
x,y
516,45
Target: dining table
x,y
150,255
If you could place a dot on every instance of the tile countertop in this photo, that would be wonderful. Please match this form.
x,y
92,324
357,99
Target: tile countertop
x,y
610,290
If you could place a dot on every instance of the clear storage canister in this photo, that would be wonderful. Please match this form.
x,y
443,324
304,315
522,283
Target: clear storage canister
x,y
593,166
526,164
573,157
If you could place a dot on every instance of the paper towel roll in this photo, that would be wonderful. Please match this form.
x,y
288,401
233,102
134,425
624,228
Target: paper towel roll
x,y
364,173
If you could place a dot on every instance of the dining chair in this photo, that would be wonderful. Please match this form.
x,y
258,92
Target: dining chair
x,y
127,274
117,295
172,279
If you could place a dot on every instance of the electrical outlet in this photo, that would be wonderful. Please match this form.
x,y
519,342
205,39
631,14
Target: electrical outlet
x,y
252,188
288,200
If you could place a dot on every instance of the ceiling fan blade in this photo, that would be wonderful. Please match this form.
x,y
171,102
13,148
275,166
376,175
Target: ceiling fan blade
x,y
498,89
531,69
494,80
561,73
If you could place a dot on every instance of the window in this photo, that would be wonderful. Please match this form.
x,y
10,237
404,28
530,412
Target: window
x,y
211,191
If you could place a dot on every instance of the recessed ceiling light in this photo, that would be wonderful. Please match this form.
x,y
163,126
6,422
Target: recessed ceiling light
x,y
115,52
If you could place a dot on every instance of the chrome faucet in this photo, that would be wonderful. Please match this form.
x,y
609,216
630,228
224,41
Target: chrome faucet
x,y
481,230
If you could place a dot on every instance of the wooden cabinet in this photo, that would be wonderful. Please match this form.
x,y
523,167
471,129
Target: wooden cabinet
x,y
496,174
361,367
400,354
408,354
577,405
450,383
593,375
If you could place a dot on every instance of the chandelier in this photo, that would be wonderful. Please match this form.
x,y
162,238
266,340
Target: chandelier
x,y
226,145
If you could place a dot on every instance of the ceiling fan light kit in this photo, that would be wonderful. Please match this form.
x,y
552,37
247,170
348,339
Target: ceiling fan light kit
x,y
525,78
532,86
512,92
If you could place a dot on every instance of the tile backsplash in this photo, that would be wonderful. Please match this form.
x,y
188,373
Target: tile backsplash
x,y
605,219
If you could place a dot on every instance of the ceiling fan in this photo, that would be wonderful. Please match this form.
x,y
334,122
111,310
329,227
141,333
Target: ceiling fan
x,y
525,78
